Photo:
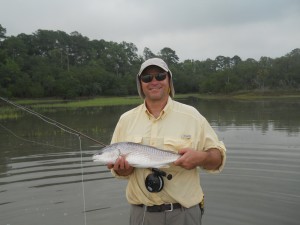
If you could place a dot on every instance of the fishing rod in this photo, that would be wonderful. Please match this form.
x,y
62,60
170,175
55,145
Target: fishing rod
x,y
52,122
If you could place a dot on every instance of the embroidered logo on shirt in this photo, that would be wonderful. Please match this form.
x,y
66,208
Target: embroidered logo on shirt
x,y
186,136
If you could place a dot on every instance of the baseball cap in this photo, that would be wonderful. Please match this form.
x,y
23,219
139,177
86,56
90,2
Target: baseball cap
x,y
154,62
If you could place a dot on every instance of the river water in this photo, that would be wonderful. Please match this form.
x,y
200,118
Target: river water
x,y
47,176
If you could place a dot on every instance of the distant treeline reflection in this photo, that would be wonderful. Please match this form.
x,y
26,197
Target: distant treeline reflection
x,y
281,114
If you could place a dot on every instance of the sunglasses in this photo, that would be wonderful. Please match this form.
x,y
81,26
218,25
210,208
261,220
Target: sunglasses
x,y
146,78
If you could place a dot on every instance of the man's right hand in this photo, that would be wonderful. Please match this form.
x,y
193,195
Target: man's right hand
x,y
121,167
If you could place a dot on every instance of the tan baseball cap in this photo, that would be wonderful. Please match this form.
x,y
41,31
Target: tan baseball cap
x,y
154,62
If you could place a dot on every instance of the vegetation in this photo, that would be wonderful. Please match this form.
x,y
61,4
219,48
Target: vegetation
x,y
106,101
46,105
56,64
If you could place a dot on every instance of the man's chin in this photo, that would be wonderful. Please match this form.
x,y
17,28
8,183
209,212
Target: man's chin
x,y
156,96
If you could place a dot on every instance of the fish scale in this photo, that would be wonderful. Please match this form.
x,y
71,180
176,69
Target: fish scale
x,y
137,155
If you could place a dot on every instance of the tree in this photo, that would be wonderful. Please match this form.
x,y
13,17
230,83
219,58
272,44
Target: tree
x,y
128,57
2,32
234,61
169,56
148,54
77,50
56,64
14,47
222,62
285,70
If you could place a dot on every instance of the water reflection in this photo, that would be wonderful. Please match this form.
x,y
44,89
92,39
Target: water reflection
x,y
42,184
281,114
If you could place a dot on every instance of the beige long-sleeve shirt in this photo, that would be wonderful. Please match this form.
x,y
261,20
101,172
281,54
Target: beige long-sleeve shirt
x,y
178,126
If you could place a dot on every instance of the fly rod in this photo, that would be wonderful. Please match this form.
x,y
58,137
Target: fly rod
x,y
52,122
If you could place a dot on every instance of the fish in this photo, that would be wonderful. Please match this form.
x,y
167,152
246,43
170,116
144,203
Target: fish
x,y
137,155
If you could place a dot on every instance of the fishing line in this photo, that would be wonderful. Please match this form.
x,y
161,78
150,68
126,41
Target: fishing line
x,y
54,146
31,141
82,180
64,128
52,122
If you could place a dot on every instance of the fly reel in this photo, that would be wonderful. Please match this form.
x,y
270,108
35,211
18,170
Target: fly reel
x,y
154,181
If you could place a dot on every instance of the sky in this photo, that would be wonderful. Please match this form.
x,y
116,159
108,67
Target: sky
x,y
194,29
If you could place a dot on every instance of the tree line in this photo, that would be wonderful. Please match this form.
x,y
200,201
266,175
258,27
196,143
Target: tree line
x,y
56,64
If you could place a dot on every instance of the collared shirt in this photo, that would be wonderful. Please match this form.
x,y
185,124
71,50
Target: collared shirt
x,y
178,126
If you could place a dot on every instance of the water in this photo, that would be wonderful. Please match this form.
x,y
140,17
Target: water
x,y
42,184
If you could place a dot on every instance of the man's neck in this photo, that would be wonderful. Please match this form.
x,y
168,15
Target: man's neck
x,y
155,107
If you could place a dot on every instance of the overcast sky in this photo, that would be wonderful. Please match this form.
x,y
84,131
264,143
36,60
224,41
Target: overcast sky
x,y
195,29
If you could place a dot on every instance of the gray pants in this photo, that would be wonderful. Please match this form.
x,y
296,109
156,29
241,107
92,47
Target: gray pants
x,y
182,216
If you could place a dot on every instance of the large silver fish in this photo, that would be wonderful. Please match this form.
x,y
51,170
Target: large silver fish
x,y
137,155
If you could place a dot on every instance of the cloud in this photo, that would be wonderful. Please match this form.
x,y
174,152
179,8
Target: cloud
x,y
195,29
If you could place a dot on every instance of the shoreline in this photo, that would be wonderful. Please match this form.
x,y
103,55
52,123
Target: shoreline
x,y
132,100
8,111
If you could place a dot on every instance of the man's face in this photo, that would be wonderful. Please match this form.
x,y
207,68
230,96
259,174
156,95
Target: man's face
x,y
155,90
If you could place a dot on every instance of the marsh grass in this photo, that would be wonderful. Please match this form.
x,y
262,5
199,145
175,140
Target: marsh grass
x,y
10,112
106,101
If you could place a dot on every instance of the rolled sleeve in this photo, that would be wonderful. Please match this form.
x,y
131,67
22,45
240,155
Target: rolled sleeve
x,y
222,149
210,141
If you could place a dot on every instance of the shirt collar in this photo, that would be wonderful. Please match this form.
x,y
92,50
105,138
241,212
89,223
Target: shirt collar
x,y
163,113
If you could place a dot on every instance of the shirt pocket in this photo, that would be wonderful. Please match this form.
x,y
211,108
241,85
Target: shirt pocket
x,y
175,144
135,139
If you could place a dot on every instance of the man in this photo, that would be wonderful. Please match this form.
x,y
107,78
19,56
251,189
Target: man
x,y
164,123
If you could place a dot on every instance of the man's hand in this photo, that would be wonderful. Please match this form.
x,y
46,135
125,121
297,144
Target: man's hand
x,y
210,159
121,167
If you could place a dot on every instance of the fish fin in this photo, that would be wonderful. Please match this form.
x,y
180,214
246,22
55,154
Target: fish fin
x,y
124,155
